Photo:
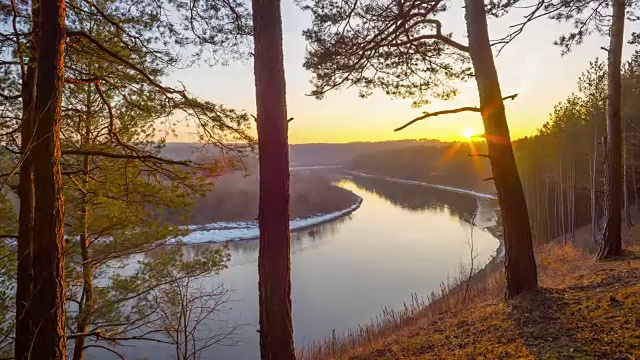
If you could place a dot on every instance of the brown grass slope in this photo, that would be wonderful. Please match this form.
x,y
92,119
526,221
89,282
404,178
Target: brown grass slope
x,y
586,309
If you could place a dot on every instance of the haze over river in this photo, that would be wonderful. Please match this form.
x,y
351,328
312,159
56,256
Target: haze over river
x,y
404,239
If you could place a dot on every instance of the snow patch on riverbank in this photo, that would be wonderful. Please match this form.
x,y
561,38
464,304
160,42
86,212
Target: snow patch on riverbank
x,y
246,230
411,182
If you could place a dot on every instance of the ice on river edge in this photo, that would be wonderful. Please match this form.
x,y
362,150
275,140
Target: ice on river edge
x,y
441,187
246,230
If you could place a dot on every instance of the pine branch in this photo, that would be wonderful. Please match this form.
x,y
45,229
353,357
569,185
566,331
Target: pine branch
x,y
141,157
447,112
438,113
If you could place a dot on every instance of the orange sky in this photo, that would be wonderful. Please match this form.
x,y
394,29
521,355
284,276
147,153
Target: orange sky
x,y
532,66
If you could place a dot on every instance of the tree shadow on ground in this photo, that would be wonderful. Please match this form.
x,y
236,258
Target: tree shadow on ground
x,y
596,319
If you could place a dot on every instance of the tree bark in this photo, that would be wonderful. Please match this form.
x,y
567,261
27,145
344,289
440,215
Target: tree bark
x,y
85,310
48,247
562,216
573,202
625,177
633,181
274,269
611,239
24,278
520,266
594,182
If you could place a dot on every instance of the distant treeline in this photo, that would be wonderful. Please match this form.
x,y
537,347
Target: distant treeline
x,y
453,164
236,196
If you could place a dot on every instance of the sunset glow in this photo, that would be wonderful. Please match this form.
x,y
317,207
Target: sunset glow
x,y
467,134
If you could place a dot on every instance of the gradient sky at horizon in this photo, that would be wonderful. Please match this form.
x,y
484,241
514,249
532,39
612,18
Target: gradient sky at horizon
x,y
531,66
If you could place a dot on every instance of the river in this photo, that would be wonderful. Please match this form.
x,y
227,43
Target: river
x,y
404,239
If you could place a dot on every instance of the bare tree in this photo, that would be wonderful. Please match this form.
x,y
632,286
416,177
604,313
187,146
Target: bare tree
x,y
192,317
274,262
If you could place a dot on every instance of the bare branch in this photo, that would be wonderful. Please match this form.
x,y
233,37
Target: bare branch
x,y
447,112
438,113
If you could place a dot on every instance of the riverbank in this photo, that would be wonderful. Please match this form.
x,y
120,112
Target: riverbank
x,y
248,230
411,182
586,309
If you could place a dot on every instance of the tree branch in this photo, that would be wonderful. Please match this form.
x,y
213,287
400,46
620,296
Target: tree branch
x,y
141,157
447,112
105,348
438,113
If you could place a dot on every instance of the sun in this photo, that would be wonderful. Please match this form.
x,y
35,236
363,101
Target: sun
x,y
467,133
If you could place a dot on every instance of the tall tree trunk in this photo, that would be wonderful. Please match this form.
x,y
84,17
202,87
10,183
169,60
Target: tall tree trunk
x,y
594,183
633,182
546,206
556,223
611,239
562,216
625,177
85,310
573,202
274,268
520,266
48,246
24,287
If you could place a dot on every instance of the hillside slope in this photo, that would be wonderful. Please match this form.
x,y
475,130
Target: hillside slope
x,y
586,309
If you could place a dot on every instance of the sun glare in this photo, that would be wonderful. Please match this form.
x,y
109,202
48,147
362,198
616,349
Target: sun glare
x,y
467,133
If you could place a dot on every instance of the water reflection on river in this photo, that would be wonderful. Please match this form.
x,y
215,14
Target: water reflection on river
x,y
404,239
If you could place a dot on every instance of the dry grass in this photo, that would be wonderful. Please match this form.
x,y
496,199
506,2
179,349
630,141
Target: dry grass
x,y
453,294
585,310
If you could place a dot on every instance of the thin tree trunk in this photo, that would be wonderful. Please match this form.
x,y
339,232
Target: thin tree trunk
x,y
546,206
520,266
633,181
556,223
48,247
573,202
612,240
24,279
625,177
562,216
86,307
594,183
274,268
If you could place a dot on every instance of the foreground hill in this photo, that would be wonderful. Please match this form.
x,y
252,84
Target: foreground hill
x,y
586,309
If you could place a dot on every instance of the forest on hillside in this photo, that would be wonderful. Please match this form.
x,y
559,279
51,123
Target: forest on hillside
x,y
452,164
90,91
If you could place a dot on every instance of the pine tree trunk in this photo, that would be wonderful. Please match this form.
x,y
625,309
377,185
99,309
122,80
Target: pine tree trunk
x,y
274,269
594,182
24,282
625,179
520,266
573,202
85,310
48,246
611,239
562,216
546,207
633,181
